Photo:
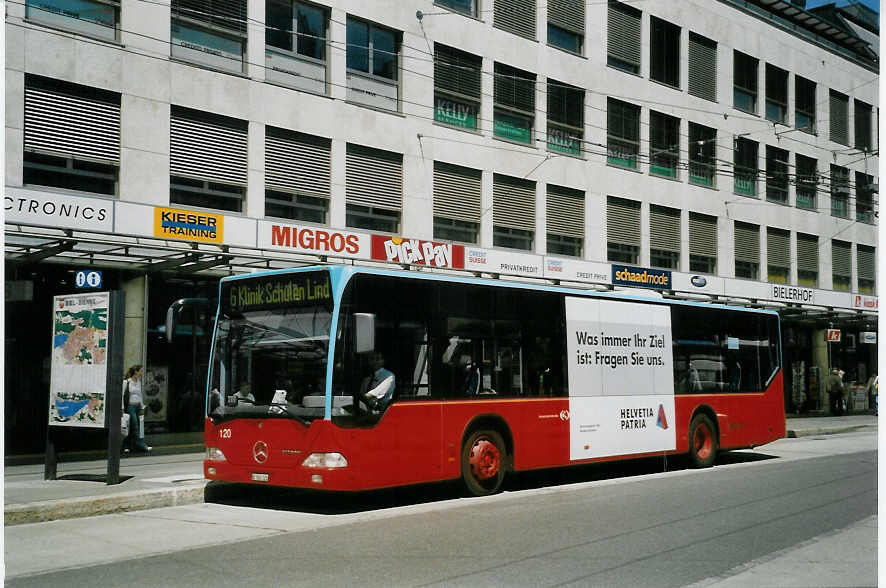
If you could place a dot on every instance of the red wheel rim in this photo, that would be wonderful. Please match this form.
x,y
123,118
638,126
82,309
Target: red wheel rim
x,y
485,459
703,441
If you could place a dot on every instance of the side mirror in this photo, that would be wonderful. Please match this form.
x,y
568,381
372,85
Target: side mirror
x,y
364,337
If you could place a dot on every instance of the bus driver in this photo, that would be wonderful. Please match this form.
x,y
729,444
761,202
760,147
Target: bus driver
x,y
377,390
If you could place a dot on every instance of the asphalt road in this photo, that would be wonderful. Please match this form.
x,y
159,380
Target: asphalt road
x,y
619,525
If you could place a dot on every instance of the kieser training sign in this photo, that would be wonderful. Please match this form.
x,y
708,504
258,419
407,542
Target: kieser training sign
x,y
621,379
187,225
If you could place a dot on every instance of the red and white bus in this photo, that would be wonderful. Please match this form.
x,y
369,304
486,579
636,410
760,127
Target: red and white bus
x,y
349,378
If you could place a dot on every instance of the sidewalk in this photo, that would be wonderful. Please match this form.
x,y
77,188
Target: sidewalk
x,y
155,481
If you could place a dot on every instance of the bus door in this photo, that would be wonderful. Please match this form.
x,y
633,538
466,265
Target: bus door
x,y
400,433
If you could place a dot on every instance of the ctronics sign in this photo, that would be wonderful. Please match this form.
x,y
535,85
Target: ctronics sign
x,y
623,275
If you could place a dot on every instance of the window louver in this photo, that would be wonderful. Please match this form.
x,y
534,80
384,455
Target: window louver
x,y
207,147
623,221
565,212
297,162
457,192
513,203
374,177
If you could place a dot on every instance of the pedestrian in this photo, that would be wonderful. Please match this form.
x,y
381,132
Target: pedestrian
x,y
135,407
835,392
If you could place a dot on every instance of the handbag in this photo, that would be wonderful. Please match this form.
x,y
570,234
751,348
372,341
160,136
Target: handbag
x,y
124,425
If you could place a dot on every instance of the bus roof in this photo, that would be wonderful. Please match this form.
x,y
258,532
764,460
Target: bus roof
x,y
345,272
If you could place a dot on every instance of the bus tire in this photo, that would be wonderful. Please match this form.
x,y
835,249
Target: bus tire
x,y
483,462
703,442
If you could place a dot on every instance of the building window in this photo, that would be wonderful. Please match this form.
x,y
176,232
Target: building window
x,y
297,175
565,118
207,159
449,229
205,194
778,253
664,52
515,16
512,238
807,260
296,207
862,126
456,87
866,266
664,144
372,219
839,191
777,179
513,212
702,243
841,265
623,133
566,24
744,79
804,105
702,155
622,230
745,167
468,7
839,108
211,33
457,194
71,136
623,37
864,198
295,45
807,182
664,237
565,221
776,94
514,114
702,67
88,17
747,251
373,188
372,63
69,173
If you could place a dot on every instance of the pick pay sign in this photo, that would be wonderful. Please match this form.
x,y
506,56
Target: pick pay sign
x,y
621,378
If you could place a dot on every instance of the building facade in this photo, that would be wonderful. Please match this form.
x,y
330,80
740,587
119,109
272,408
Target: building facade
x,y
724,152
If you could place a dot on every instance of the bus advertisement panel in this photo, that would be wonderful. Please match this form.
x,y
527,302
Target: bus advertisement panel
x,y
621,385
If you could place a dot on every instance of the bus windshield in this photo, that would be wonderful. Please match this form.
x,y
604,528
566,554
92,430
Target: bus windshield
x,y
271,349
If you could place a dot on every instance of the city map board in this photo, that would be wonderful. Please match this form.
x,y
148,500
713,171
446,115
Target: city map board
x,y
79,360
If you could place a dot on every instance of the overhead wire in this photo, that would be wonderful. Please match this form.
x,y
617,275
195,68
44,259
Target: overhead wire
x,y
641,157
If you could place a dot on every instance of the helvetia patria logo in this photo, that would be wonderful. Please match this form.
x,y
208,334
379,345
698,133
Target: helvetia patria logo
x,y
662,421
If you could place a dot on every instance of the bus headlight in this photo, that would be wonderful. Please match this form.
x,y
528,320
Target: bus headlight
x,y
214,454
325,460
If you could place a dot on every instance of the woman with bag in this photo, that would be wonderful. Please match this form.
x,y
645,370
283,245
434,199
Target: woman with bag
x,y
135,406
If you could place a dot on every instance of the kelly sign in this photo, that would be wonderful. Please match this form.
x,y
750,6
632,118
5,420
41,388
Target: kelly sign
x,y
417,252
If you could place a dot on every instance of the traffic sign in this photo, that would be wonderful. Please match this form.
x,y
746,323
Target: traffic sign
x,y
833,335
88,279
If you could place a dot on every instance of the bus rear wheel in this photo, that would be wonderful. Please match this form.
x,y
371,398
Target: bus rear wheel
x,y
703,442
483,462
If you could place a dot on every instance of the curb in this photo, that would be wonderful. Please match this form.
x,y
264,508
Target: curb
x,y
51,510
793,434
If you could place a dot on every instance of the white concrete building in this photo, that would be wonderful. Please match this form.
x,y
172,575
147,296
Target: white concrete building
x,y
728,148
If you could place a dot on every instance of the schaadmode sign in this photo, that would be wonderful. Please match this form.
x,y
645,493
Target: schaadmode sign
x,y
621,378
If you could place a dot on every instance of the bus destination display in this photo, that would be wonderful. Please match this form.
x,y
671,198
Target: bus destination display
x,y
284,290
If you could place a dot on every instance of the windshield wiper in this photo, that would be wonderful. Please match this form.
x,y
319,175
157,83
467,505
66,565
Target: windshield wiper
x,y
283,408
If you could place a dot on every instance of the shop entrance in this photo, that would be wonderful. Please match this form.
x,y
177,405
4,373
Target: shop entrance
x,y
180,319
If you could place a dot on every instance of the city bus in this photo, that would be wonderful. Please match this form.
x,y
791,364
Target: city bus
x,y
353,378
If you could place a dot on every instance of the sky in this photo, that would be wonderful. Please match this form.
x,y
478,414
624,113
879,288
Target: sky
x,y
872,4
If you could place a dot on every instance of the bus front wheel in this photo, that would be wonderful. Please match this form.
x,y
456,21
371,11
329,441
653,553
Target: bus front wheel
x,y
483,462
703,442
